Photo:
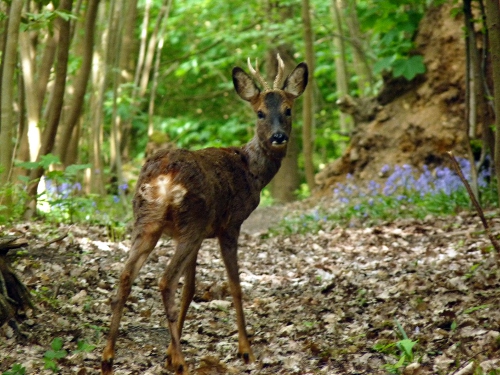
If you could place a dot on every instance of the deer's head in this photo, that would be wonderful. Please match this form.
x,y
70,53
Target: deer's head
x,y
272,106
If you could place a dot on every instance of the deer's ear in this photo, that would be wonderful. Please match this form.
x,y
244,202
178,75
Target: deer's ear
x,y
244,85
296,82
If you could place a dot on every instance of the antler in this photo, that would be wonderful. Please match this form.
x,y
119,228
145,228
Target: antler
x,y
279,75
256,74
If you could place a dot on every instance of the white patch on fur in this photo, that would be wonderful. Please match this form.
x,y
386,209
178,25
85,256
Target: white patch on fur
x,y
163,191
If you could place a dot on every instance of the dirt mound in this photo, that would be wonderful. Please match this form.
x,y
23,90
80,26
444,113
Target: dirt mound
x,y
425,120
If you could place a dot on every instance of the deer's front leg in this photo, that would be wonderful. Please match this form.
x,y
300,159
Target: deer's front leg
x,y
229,248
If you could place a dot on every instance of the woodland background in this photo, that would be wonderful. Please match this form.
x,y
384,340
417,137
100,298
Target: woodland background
x,y
384,268
92,84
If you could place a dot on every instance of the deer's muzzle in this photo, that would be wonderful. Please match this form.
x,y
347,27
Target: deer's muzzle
x,y
279,139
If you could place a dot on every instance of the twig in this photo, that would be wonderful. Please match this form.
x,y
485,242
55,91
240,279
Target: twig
x,y
476,204
460,370
57,239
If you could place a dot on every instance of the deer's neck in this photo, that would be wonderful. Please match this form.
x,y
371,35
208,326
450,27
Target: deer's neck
x,y
263,163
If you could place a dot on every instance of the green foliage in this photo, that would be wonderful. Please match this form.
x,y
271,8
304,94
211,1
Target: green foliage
x,y
57,353
401,350
393,25
16,369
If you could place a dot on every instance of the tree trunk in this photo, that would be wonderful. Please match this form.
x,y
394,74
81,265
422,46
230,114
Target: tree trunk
x,y
31,96
54,112
156,70
95,176
308,109
493,22
113,59
7,128
341,75
361,65
286,182
81,81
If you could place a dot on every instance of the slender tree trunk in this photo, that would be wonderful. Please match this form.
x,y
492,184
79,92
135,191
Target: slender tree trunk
x,y
95,175
156,69
7,127
31,95
308,109
81,81
341,74
361,65
493,22
113,59
45,68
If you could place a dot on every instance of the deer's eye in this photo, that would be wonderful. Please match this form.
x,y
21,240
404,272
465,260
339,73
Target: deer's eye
x,y
288,112
260,115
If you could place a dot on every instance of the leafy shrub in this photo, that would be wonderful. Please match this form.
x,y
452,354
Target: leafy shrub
x,y
62,199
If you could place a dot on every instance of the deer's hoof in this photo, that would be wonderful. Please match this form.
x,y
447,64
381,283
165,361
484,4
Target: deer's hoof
x,y
178,366
247,356
107,366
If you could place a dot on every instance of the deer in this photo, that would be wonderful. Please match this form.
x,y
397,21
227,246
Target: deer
x,y
208,193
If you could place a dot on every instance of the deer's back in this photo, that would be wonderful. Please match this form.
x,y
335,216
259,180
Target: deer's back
x,y
210,188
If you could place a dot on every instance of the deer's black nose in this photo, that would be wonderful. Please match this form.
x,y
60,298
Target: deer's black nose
x,y
279,138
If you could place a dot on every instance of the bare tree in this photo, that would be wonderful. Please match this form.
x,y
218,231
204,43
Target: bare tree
x,y
9,61
493,23
341,74
72,117
361,65
308,109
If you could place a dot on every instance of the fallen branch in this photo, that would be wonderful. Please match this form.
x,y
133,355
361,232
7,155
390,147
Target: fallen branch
x,y
476,204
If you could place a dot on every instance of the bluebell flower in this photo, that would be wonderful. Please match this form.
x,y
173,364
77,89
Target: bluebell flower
x,y
385,169
316,215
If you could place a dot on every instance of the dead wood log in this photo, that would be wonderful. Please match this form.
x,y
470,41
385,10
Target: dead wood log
x,y
14,296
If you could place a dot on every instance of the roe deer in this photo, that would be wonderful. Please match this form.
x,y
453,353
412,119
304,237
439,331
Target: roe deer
x,y
193,195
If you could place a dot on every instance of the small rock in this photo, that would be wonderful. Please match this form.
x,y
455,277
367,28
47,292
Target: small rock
x,y
219,304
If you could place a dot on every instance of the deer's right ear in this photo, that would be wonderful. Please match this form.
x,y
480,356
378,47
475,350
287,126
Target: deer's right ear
x,y
244,85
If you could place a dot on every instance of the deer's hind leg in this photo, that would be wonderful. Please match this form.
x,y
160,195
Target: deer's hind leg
x,y
182,262
142,245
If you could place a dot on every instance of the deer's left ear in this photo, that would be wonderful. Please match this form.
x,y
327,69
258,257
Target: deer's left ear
x,y
244,85
296,82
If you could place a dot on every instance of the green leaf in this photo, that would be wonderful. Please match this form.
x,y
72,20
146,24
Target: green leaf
x,y
409,68
57,344
82,346
406,346
73,170
475,308
49,159
383,64
17,369
50,364
28,164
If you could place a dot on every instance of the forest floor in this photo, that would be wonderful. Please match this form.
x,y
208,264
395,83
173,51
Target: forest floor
x,y
326,303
